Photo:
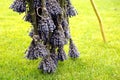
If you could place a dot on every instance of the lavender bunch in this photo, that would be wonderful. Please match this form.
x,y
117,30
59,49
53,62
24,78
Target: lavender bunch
x,y
18,6
73,53
47,65
46,26
61,54
58,37
36,49
53,7
71,11
50,30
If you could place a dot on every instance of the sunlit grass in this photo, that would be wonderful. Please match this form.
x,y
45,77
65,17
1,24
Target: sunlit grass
x,y
98,60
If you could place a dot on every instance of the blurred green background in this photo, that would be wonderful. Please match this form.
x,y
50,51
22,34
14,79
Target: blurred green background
x,y
97,61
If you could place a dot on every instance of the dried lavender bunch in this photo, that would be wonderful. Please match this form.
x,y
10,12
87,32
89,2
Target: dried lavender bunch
x,y
18,6
53,7
36,49
61,54
30,52
71,11
73,53
47,65
46,26
58,37
50,31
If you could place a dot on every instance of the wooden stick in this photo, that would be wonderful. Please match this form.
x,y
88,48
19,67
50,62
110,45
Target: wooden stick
x,y
33,15
99,19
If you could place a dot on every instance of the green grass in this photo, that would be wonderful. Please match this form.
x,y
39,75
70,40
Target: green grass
x,y
98,60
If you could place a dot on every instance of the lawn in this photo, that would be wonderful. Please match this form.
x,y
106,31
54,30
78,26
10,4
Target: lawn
x,y
97,61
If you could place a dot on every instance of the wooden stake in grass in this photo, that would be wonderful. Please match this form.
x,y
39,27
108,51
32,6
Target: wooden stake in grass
x,y
99,19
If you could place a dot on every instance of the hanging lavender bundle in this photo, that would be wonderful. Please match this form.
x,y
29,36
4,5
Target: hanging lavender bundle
x,y
47,65
61,54
71,11
73,53
18,6
53,7
58,37
50,30
30,52
46,26
36,49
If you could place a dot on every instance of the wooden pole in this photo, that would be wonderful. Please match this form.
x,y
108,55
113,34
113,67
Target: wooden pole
x,y
99,19
33,15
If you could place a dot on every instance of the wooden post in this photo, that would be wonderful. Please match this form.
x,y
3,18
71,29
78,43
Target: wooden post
x,y
33,15
99,19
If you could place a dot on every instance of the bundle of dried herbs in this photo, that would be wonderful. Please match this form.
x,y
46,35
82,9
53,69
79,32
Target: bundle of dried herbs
x,y
50,30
